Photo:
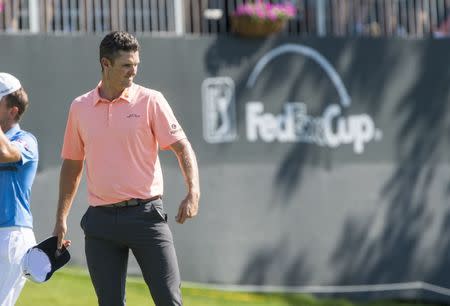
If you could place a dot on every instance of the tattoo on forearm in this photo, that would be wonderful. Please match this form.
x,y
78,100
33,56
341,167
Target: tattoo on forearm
x,y
187,161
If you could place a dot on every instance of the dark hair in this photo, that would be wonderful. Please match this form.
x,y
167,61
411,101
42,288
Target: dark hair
x,y
19,98
117,41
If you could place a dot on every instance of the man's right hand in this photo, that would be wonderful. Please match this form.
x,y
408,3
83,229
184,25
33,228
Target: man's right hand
x,y
69,179
60,231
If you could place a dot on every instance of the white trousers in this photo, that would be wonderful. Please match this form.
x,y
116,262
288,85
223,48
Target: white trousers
x,y
14,243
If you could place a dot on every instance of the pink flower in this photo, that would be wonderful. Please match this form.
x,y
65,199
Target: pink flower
x,y
272,15
265,10
260,12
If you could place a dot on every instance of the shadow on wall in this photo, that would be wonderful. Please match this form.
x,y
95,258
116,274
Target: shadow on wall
x,y
398,251
268,261
361,84
220,56
412,227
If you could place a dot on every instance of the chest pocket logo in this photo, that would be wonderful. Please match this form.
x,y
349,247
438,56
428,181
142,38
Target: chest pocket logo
x,y
133,116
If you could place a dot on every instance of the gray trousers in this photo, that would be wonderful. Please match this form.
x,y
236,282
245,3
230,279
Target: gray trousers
x,y
111,232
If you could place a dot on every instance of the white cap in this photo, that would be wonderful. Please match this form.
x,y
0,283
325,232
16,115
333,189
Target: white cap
x,y
42,260
36,265
8,84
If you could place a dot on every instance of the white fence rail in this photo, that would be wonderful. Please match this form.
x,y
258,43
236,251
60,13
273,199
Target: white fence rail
x,y
406,18
89,15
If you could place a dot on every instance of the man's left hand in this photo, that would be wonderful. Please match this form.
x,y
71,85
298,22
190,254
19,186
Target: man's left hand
x,y
188,208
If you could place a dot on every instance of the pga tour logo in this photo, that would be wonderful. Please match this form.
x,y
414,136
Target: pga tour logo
x,y
293,124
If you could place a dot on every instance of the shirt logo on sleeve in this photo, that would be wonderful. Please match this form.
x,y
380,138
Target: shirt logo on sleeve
x,y
174,129
23,143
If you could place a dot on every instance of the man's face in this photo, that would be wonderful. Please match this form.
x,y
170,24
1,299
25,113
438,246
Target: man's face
x,y
123,70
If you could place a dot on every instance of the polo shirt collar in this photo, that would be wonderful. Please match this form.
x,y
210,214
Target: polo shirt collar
x,y
13,130
127,95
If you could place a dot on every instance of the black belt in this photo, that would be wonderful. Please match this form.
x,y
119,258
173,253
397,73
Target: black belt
x,y
132,202
8,168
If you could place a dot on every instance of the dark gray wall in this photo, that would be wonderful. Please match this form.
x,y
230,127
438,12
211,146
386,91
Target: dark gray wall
x,y
277,213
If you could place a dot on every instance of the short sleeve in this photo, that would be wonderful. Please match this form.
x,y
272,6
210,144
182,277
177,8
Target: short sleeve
x,y
28,147
73,146
165,126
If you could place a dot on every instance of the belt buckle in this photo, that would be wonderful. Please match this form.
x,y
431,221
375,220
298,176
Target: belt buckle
x,y
125,203
132,202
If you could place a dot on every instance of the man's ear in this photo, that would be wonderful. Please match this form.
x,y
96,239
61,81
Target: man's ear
x,y
106,63
13,112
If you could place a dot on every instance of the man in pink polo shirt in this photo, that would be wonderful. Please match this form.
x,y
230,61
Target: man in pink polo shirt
x,y
115,130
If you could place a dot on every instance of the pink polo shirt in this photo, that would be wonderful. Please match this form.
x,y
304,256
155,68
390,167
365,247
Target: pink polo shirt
x,y
119,142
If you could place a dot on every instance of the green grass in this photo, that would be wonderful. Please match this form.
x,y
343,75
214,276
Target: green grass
x,y
72,287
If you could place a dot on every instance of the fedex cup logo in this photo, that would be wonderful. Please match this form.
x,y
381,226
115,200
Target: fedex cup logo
x,y
293,124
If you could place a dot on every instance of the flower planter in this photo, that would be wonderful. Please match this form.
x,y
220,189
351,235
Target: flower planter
x,y
251,27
